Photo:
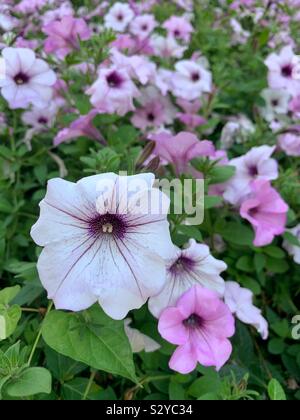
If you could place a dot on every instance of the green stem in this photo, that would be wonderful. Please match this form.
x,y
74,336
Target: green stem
x,y
35,344
89,385
30,310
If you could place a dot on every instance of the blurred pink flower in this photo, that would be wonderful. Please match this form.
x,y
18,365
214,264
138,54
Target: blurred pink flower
x,y
290,143
30,6
82,127
41,118
118,17
294,107
191,79
179,150
189,266
240,302
190,116
137,66
200,325
155,110
27,79
113,91
179,27
64,35
143,25
284,71
266,211
166,47
256,164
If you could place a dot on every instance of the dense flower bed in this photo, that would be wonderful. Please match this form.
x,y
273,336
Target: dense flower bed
x,y
150,199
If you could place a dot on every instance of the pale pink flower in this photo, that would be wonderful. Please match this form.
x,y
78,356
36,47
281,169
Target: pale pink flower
x,y
240,302
139,341
142,26
113,91
276,103
99,236
137,66
163,80
30,6
190,266
27,79
290,143
191,80
200,325
41,118
256,164
284,71
118,17
64,9
155,110
190,116
179,150
64,35
179,27
294,107
166,47
266,211
81,127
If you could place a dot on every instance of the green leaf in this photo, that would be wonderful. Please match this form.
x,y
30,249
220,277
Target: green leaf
x,y
30,381
277,266
176,391
237,234
91,337
245,263
259,262
62,368
276,346
275,391
8,294
220,174
292,239
75,390
190,232
211,201
9,318
209,383
274,252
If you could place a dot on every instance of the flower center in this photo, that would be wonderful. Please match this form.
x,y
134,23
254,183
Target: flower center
x,y
42,120
182,264
287,70
144,27
275,102
114,80
120,17
108,224
21,78
195,77
151,117
253,171
177,33
193,321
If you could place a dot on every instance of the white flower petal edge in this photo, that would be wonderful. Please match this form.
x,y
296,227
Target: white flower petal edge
x,y
138,340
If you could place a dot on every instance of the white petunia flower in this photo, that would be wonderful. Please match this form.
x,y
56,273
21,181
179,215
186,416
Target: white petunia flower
x,y
102,242
188,267
26,79
138,340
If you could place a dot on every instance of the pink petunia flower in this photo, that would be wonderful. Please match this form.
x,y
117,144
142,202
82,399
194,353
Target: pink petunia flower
x,y
200,324
240,302
191,80
155,110
190,116
166,47
81,127
266,211
99,235
190,266
113,92
256,164
41,118
179,150
64,35
290,143
118,17
142,26
294,107
179,27
284,71
27,79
